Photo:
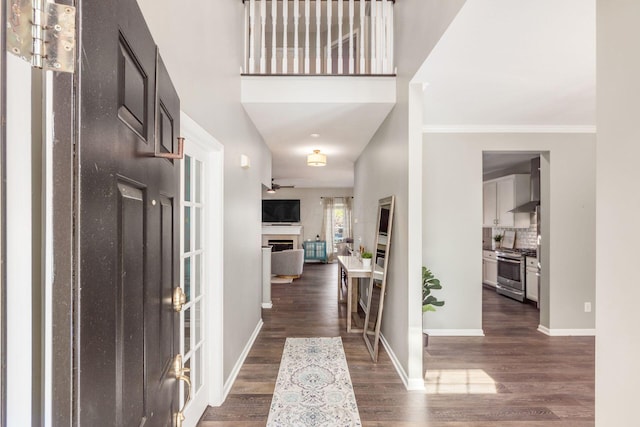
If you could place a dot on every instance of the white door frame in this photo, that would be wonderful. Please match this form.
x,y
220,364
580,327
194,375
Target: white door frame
x,y
213,257
19,267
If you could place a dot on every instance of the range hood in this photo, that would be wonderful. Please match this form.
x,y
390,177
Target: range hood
x,y
530,206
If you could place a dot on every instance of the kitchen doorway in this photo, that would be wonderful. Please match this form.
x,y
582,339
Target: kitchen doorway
x,y
511,225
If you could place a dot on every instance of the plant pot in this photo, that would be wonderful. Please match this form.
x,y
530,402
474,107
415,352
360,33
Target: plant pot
x,y
366,262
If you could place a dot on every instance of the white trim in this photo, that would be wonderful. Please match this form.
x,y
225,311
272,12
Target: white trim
x,y
267,305
507,129
48,278
20,280
214,241
409,383
567,332
415,347
243,356
454,332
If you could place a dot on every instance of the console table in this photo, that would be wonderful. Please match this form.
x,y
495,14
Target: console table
x,y
353,269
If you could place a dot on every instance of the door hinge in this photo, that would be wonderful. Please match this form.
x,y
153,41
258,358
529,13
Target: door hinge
x,y
42,33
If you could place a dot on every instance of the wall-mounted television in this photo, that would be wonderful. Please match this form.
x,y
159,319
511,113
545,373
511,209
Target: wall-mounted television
x,y
280,210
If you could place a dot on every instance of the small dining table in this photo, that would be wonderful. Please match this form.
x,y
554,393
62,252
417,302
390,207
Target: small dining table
x,y
353,269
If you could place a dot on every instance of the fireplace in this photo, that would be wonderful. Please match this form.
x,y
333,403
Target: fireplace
x,y
278,245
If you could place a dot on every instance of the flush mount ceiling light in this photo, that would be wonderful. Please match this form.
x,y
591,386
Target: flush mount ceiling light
x,y
315,135
316,159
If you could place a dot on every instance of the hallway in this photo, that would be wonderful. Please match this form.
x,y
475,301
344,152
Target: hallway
x,y
515,376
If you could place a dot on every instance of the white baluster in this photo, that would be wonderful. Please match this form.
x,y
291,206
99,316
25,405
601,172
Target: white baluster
x,y
352,63
379,37
340,16
246,39
296,44
252,37
274,41
285,48
372,35
363,67
263,39
318,37
383,37
329,62
391,39
307,23
389,43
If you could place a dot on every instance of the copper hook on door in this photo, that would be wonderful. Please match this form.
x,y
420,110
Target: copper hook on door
x,y
179,155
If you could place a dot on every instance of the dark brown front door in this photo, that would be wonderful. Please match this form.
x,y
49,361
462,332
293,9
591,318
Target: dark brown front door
x,y
126,222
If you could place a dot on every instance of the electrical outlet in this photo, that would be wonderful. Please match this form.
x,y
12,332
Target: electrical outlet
x,y
587,307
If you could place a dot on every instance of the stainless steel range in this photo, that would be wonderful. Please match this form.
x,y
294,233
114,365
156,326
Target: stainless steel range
x,y
511,272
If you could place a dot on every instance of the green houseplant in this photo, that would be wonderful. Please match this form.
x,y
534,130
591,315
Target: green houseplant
x,y
366,259
496,240
429,283
429,302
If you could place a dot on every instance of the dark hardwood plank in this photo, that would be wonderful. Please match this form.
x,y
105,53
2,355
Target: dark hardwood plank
x,y
535,380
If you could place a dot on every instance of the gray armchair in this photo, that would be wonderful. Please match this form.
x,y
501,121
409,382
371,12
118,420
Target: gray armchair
x,y
287,263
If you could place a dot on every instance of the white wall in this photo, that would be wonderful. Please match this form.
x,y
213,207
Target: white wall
x,y
618,207
311,208
452,227
203,53
382,170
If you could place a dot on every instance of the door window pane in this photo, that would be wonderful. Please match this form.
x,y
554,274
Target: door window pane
x,y
198,181
197,321
198,228
187,229
187,330
198,364
198,277
187,178
187,278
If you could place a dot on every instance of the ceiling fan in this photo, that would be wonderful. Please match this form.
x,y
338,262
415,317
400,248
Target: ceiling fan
x,y
275,187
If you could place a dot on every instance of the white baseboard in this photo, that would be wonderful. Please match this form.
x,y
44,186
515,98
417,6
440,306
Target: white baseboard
x,y
267,305
567,332
454,332
409,383
243,356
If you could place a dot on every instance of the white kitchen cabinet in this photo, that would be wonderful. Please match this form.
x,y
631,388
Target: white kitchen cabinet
x,y
489,268
532,278
500,195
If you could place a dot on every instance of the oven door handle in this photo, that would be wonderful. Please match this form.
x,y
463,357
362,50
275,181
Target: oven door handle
x,y
509,261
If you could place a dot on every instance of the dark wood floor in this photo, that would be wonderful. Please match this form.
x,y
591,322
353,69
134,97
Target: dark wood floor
x,y
514,376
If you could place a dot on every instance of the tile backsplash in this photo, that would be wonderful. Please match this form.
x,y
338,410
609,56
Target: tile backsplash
x,y
526,238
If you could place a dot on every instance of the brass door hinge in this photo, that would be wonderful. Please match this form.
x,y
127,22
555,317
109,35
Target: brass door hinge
x,y
42,33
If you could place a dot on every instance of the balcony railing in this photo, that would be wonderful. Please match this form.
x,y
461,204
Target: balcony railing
x,y
319,37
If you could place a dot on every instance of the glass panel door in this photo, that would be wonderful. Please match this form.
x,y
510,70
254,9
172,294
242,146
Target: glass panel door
x,y
193,255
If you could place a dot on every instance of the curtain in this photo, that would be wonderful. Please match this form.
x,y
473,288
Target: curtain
x,y
328,226
348,233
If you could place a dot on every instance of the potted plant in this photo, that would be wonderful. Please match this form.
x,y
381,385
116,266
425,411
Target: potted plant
x,y
366,259
496,241
429,302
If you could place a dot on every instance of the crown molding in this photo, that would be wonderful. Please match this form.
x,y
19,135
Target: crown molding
x,y
507,129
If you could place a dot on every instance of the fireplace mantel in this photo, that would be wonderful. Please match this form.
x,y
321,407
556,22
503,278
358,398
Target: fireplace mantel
x,y
282,232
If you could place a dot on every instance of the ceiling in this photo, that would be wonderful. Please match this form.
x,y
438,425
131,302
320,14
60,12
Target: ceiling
x,y
504,63
342,112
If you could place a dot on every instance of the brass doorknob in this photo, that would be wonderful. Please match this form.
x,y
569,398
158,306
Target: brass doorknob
x,y
179,299
179,371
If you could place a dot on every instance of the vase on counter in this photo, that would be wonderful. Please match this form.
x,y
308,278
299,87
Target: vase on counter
x,y
493,245
366,262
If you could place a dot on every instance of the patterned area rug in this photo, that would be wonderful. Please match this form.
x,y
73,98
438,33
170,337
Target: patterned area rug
x,y
314,387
